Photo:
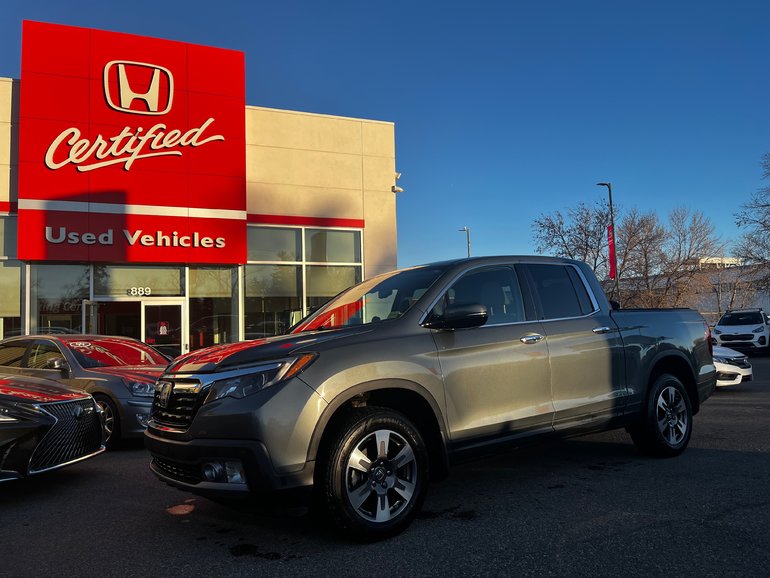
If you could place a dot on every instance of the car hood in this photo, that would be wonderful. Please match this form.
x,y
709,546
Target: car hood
x,y
223,357
720,351
738,328
33,390
149,373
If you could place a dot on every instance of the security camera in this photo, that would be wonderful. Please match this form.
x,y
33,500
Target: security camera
x,y
396,189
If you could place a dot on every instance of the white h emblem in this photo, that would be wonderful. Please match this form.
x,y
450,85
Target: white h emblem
x,y
127,93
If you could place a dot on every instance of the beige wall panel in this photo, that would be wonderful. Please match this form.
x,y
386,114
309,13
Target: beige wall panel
x,y
5,183
5,143
274,199
380,247
302,167
286,129
379,173
379,139
6,99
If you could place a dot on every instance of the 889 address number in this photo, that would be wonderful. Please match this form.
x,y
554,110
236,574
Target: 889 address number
x,y
139,291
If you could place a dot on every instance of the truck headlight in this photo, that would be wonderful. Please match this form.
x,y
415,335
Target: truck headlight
x,y
250,380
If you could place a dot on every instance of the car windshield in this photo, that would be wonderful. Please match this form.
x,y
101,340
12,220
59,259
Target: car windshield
x,y
742,318
378,299
97,352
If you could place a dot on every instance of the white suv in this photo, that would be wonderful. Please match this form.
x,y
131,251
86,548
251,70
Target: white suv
x,y
742,329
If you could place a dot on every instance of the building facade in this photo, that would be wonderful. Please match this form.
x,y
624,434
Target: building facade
x,y
140,196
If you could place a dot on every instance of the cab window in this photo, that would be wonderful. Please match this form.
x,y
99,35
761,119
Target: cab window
x,y
497,289
560,290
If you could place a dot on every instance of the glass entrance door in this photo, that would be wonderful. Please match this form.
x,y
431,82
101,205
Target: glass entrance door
x,y
157,323
163,327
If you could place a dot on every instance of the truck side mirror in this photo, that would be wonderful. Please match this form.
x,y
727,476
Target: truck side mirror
x,y
459,316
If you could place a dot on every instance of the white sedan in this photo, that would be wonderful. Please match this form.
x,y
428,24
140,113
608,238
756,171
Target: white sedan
x,y
732,366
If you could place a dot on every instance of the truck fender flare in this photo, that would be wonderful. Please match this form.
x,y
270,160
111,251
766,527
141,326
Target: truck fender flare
x,y
663,356
369,386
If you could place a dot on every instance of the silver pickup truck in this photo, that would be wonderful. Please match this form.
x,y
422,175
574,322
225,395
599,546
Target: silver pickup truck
x,y
380,390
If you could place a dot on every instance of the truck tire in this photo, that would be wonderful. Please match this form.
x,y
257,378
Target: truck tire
x,y
376,475
667,425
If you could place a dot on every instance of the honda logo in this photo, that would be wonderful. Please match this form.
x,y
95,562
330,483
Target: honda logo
x,y
138,81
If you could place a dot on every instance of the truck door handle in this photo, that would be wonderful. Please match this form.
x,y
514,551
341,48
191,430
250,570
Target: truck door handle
x,y
532,338
601,330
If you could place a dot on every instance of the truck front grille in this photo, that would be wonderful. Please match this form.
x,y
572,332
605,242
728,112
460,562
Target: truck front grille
x,y
176,403
738,337
77,433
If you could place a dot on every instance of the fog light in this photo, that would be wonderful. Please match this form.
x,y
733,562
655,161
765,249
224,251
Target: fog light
x,y
235,474
762,340
142,419
230,472
213,472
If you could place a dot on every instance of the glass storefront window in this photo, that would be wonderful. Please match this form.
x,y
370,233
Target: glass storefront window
x,y
274,244
326,281
272,299
137,281
329,246
8,237
213,311
56,297
10,298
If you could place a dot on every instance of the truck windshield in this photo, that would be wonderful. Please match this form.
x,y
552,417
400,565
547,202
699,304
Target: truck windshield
x,y
742,318
378,299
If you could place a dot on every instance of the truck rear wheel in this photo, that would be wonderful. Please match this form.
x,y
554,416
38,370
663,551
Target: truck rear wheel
x,y
667,426
376,475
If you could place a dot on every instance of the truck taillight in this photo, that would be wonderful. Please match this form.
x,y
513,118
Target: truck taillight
x,y
708,338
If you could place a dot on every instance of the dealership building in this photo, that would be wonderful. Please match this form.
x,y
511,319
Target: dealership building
x,y
140,196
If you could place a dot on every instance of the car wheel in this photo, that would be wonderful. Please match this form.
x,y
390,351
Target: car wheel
x,y
667,425
111,421
376,474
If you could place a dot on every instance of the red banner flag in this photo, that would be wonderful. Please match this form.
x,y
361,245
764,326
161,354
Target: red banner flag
x,y
611,245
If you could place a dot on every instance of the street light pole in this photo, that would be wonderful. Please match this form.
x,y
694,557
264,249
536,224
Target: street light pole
x,y
467,238
611,241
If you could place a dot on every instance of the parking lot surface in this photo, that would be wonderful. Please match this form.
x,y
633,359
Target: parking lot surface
x,y
589,506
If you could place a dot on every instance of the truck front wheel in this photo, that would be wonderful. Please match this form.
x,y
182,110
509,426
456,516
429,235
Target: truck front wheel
x,y
667,425
376,474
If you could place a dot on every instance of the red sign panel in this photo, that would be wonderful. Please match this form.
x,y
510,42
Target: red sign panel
x,y
131,149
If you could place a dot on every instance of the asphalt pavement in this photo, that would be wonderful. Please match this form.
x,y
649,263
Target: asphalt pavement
x,y
589,506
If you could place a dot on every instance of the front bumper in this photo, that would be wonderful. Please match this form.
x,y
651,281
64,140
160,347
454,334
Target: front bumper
x,y
741,342
728,375
181,464
265,436
134,413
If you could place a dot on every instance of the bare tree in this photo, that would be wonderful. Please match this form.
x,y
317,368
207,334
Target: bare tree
x,y
754,219
658,263
581,235
641,258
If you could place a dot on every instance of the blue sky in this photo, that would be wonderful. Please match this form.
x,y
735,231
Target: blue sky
x,y
503,110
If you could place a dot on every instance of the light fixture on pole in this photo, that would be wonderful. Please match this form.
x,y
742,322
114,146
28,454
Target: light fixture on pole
x,y
467,231
611,241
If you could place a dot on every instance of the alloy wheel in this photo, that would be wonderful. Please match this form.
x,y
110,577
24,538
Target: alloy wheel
x,y
109,419
381,476
672,416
